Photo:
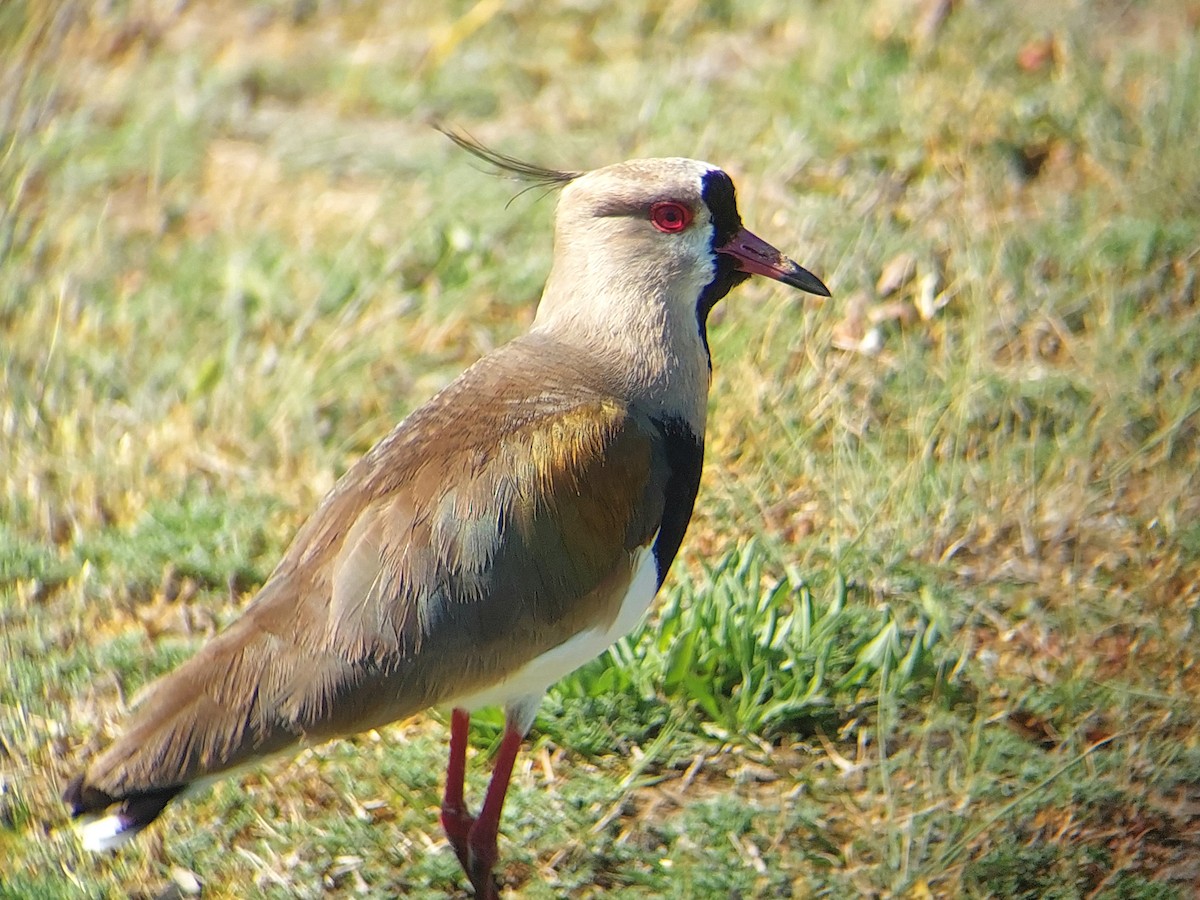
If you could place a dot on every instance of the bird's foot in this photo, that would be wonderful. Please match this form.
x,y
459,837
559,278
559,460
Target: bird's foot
x,y
481,861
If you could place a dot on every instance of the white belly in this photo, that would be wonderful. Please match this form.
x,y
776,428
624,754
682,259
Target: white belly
x,y
523,689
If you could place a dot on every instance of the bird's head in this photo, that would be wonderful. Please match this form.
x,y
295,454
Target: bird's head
x,y
652,224
643,250
669,225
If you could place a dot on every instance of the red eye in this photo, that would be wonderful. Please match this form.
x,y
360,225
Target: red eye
x,y
670,216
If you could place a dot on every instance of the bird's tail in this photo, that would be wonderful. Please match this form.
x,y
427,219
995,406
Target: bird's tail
x,y
192,725
108,823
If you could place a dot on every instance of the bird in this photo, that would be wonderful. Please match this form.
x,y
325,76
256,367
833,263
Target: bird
x,y
504,533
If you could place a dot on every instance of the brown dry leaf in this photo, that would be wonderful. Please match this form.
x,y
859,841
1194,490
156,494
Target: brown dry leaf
x,y
934,14
897,272
855,333
187,882
930,297
1038,54
896,311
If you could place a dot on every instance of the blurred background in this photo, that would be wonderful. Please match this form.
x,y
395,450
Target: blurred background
x,y
932,632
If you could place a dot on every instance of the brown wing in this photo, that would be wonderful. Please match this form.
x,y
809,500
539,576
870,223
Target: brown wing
x,y
489,527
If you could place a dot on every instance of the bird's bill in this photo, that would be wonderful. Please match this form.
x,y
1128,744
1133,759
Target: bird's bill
x,y
756,257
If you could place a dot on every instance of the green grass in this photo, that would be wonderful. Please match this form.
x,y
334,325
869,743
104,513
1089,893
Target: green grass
x,y
933,629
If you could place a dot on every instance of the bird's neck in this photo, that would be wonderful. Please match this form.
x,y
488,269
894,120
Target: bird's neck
x,y
654,352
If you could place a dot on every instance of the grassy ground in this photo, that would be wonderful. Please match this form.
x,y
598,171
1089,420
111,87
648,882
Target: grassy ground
x,y
933,631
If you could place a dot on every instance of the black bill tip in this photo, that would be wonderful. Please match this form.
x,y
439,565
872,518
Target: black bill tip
x,y
799,277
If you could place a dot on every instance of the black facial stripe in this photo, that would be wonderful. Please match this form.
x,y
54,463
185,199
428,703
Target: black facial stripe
x,y
719,197
725,280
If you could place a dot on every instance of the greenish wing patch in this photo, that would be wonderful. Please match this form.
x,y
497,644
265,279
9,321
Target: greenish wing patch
x,y
552,517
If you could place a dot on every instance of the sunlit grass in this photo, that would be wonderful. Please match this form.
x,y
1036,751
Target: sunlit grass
x,y
933,627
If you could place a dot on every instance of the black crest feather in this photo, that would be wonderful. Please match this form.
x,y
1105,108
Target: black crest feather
x,y
517,169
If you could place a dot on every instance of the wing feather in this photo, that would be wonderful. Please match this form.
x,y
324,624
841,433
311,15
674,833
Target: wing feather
x,y
496,522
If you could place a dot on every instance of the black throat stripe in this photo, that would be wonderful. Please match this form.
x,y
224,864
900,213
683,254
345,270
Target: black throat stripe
x,y
685,458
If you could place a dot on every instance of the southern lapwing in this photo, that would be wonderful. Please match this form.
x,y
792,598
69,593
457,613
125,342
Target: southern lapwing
x,y
503,534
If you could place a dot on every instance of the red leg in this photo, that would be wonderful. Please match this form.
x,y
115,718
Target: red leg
x,y
456,821
481,840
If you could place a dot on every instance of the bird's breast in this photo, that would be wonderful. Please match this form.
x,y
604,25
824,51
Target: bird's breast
x,y
532,678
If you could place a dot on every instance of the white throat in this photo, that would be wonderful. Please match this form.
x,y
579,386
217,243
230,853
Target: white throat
x,y
637,316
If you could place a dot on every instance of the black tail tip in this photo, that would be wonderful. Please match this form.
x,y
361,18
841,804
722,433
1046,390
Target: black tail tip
x,y
103,828
141,808
82,799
